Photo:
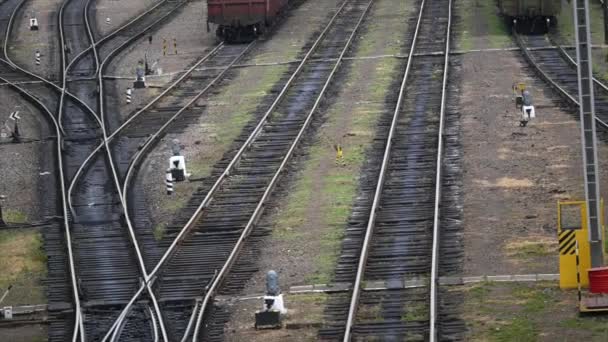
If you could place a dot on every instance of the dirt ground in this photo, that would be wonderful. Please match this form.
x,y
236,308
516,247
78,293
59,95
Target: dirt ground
x,y
513,176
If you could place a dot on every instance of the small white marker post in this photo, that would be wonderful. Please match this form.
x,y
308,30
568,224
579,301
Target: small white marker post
x,y
37,57
108,21
129,93
169,182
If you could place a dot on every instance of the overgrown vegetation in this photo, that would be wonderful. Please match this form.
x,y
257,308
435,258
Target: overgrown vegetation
x,y
23,265
522,311
14,216
310,305
481,26
531,247
325,190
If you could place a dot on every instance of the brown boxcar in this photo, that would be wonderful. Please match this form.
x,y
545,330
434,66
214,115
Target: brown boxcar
x,y
531,15
239,20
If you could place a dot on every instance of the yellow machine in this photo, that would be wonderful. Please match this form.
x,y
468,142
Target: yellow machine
x,y
574,254
572,228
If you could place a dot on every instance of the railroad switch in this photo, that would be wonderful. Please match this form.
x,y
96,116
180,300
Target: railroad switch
x,y
270,316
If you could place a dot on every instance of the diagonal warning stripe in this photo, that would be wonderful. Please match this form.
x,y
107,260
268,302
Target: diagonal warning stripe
x,y
567,242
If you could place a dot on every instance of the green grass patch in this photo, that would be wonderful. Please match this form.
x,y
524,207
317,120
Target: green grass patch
x,y
536,246
417,311
519,329
565,22
23,265
14,216
535,300
309,305
482,26
159,231
370,312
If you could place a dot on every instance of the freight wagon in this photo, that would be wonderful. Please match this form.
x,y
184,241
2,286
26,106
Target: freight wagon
x,y
243,20
533,16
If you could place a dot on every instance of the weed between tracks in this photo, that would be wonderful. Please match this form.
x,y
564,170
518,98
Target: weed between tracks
x,y
231,110
481,26
326,188
22,264
310,306
226,116
14,216
520,312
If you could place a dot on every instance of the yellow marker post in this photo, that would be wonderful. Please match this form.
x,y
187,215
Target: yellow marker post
x,y
572,228
339,154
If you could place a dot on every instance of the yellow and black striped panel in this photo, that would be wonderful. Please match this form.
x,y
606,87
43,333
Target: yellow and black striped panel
x,y
567,242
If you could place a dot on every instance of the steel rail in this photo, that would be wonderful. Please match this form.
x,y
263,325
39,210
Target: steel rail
x,y
220,180
79,321
8,27
438,186
57,123
154,327
9,61
66,220
135,116
378,192
597,82
115,177
110,159
66,69
260,207
152,139
98,70
190,322
548,78
100,75
117,31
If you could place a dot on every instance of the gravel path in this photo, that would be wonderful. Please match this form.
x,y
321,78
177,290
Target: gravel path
x,y
514,176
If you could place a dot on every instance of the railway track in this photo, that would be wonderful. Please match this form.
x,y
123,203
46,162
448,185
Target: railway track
x,y
105,264
250,177
558,69
394,231
107,261
107,245
60,284
82,126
